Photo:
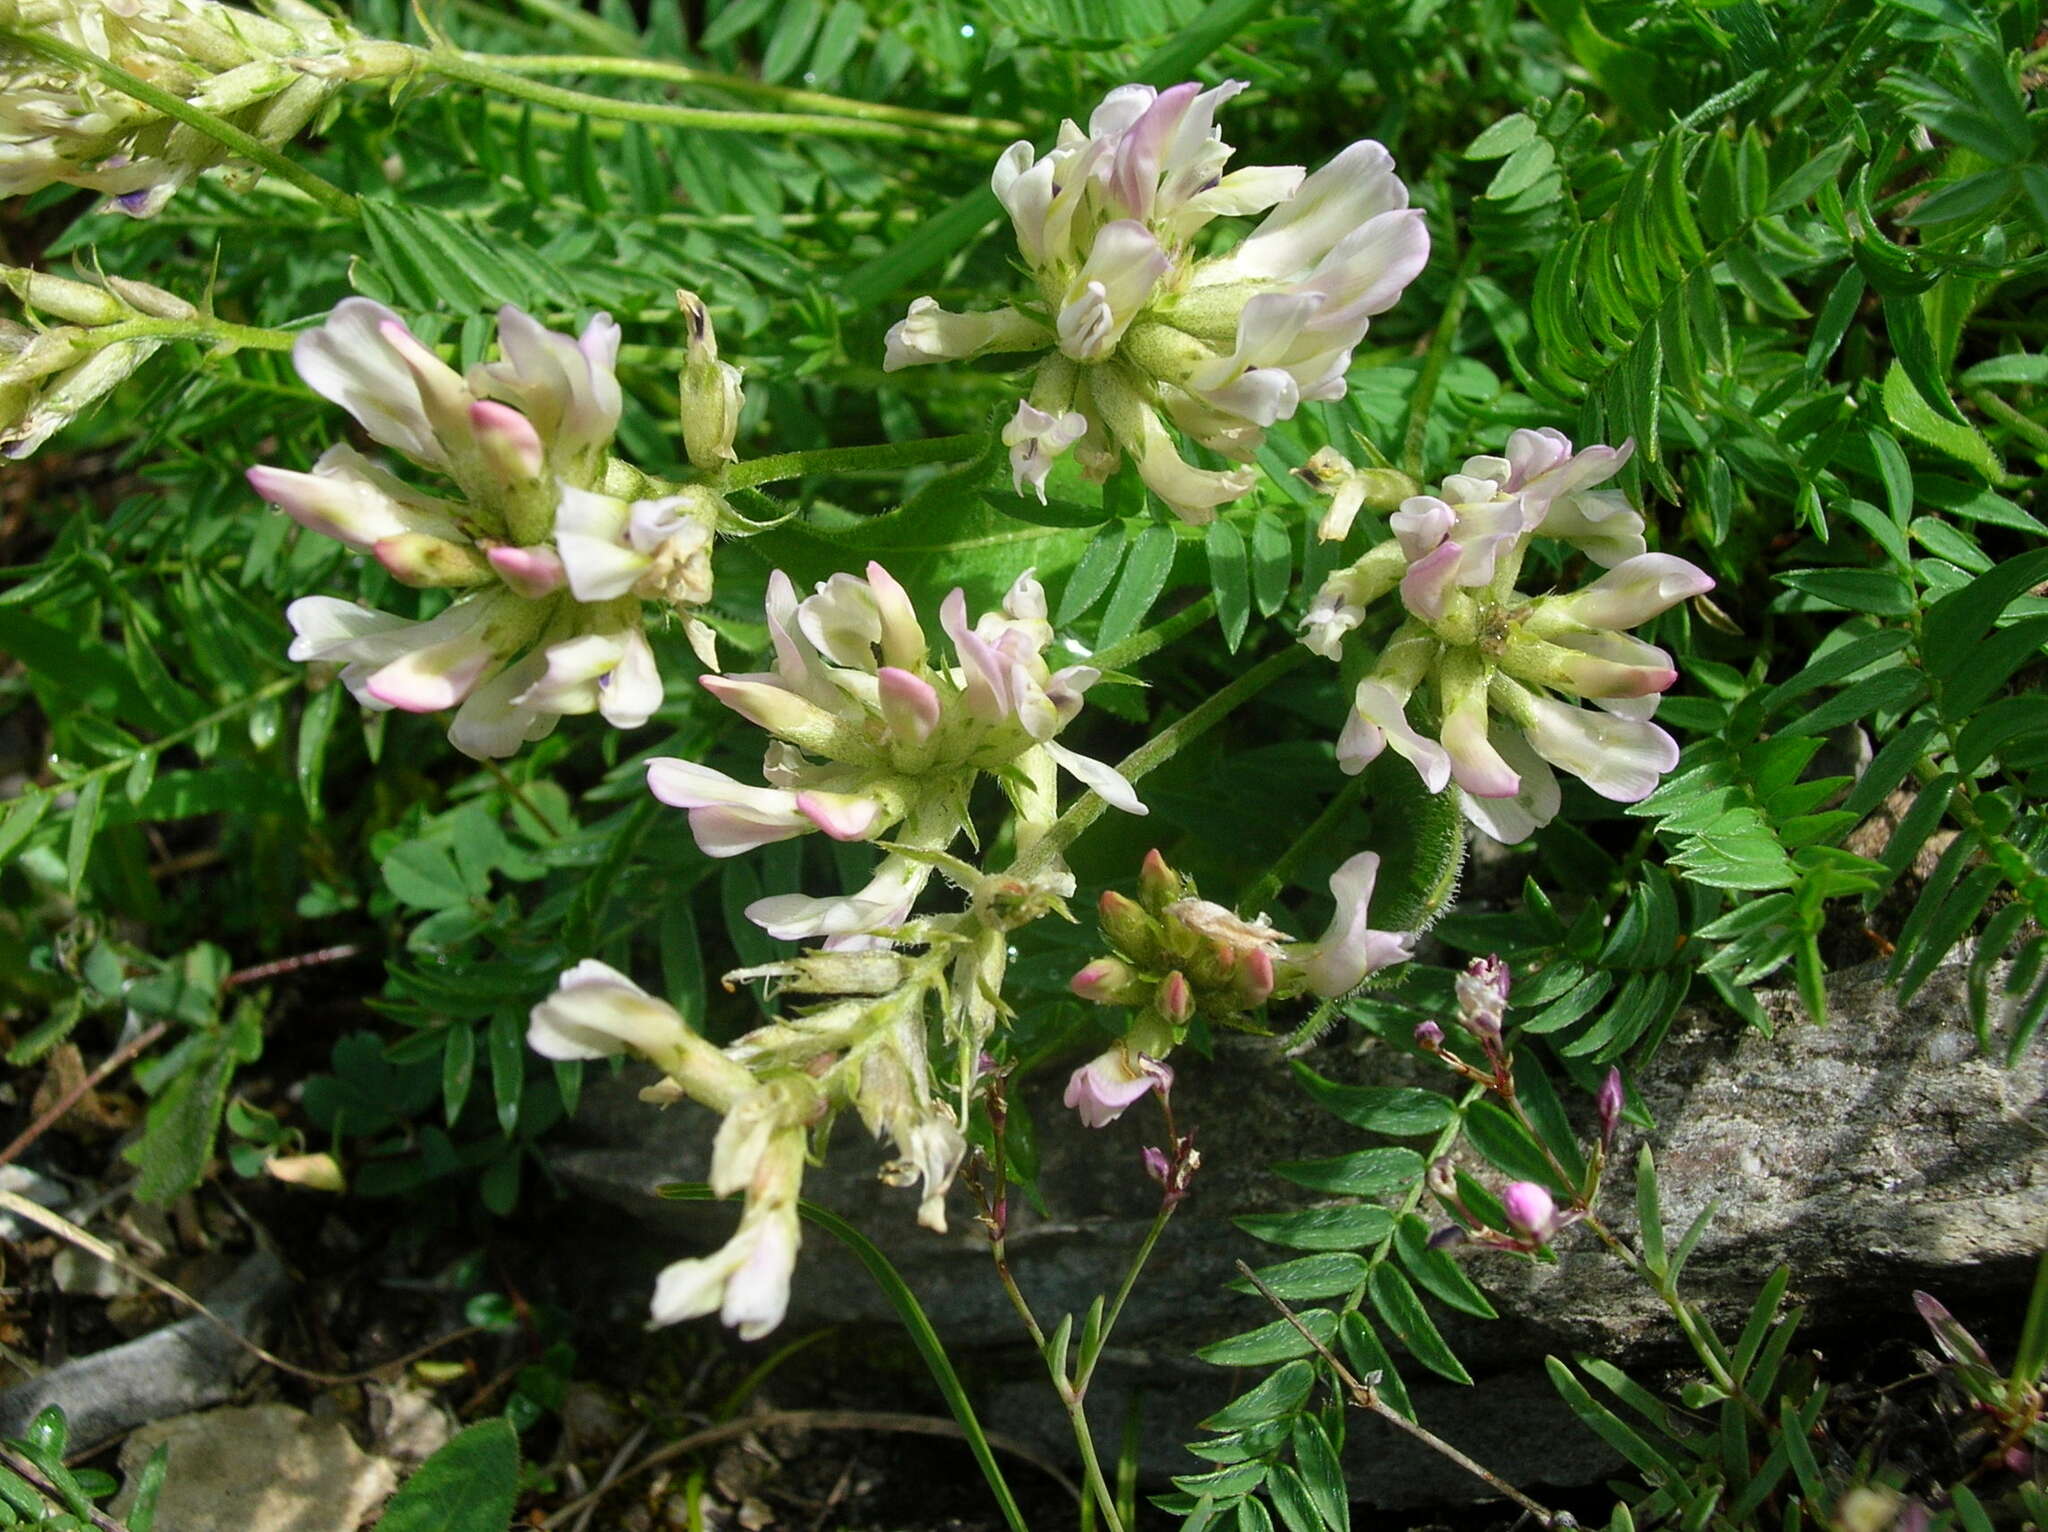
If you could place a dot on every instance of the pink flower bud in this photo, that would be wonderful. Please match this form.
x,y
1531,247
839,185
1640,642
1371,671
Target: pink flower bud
x,y
843,816
1254,978
1429,1037
1158,884
507,440
1106,981
532,572
910,705
1531,1211
1158,1166
1611,1100
1129,929
1175,1000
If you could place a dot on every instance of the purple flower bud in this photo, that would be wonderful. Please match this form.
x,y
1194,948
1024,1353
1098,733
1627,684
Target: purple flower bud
x,y
1429,1037
1531,1211
1450,1234
1158,1166
1612,1098
1175,1000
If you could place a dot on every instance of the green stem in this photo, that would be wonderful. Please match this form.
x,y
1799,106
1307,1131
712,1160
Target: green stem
x,y
1086,1370
224,133
1318,833
220,714
217,332
739,85
469,70
1433,364
1156,751
845,460
1129,651
2035,435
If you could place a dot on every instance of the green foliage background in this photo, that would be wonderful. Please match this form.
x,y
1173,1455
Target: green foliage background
x,y
1794,250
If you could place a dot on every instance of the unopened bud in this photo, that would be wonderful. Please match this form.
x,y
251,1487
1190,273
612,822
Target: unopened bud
x,y
878,971
147,298
1158,884
82,303
1108,981
1530,1210
1611,1100
422,559
1175,1000
1210,962
1450,1234
1158,1166
532,572
1442,1179
1129,929
1429,1037
709,392
1254,978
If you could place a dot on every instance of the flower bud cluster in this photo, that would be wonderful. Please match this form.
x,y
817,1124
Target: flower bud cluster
x,y
1176,955
1497,665
268,74
51,373
873,732
777,1089
1137,324
551,544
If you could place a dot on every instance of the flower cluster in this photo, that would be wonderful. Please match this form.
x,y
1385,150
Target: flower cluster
x,y
1177,956
775,1088
1107,224
52,374
1499,663
266,74
872,732
552,544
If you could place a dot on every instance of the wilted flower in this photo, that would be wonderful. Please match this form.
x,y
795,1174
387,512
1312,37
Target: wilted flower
x,y
552,546
872,733
266,74
1106,222
1494,663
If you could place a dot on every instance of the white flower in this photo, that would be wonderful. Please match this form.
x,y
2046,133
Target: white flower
x,y
874,739
556,567
1227,345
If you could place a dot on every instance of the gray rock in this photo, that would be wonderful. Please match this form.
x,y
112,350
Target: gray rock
x,y
170,1371
263,1468
1872,1155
